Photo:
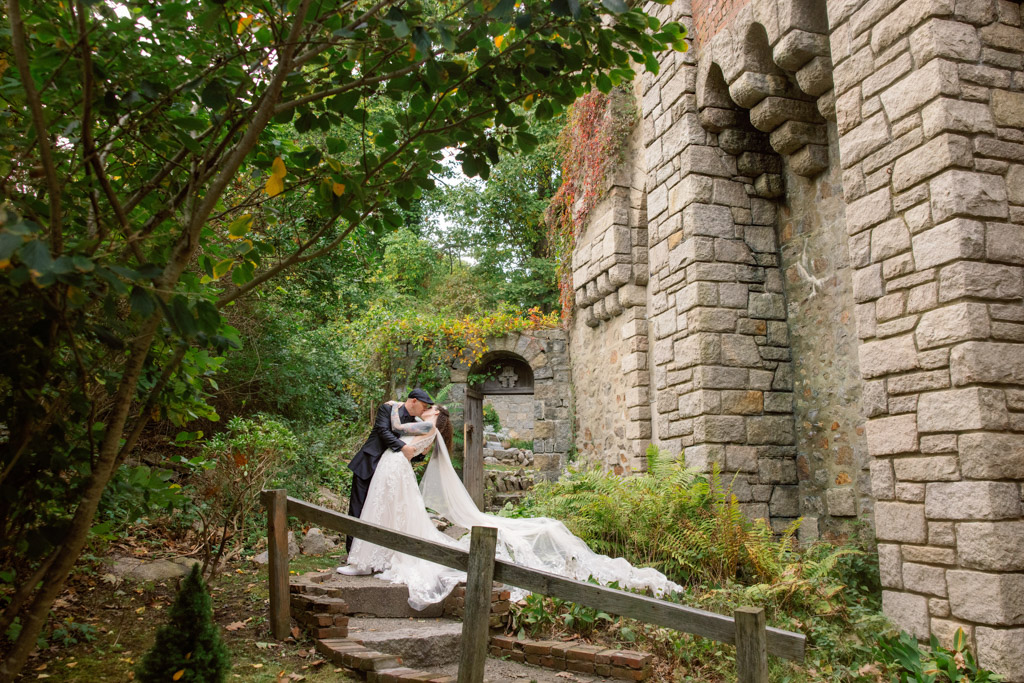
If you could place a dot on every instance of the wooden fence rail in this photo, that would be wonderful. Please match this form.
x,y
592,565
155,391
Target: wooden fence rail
x,y
746,630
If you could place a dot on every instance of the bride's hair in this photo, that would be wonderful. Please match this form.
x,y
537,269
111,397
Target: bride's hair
x,y
444,426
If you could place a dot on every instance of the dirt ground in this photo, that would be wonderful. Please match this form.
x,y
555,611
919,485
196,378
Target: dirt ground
x,y
106,626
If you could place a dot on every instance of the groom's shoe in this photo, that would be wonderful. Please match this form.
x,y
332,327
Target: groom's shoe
x,y
349,570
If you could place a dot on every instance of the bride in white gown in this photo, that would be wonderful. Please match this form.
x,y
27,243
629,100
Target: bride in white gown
x,y
395,501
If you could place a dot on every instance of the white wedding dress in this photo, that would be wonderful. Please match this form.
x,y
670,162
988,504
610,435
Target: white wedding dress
x,y
394,501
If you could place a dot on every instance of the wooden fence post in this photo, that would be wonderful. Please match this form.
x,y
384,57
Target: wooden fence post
x,y
276,502
751,645
476,628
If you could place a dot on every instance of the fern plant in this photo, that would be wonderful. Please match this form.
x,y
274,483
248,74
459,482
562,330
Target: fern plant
x,y
686,524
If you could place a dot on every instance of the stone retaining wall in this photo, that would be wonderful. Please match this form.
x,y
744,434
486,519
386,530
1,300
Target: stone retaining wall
x,y
834,211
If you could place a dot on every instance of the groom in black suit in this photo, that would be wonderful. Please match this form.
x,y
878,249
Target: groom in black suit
x,y
383,437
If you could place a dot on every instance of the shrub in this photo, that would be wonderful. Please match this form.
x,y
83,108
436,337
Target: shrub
x,y
683,523
491,417
322,460
188,647
235,466
690,526
908,662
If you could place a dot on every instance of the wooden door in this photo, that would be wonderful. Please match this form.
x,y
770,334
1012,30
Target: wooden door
x,y
473,463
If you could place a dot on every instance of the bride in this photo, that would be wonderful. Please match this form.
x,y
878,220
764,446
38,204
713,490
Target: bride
x,y
394,501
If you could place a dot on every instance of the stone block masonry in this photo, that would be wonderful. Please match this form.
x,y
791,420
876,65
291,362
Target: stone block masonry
x,y
929,158
544,415
831,297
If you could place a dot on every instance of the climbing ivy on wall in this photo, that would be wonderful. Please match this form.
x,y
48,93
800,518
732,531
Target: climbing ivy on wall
x,y
591,145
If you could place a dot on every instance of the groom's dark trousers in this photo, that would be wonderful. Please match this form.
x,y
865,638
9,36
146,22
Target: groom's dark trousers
x,y
364,463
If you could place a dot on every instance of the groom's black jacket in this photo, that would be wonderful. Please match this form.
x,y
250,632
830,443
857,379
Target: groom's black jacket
x,y
383,437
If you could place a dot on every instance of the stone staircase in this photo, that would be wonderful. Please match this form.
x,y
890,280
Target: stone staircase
x,y
366,625
503,485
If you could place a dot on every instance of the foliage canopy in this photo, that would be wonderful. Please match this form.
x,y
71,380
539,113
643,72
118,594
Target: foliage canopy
x,y
164,159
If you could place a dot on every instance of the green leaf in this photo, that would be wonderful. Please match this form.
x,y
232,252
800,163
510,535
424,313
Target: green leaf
x,y
36,256
526,141
215,95
615,6
503,9
182,316
141,302
544,110
396,20
564,8
421,39
604,84
336,145
150,271
209,317
240,226
447,41
8,243
222,267
82,263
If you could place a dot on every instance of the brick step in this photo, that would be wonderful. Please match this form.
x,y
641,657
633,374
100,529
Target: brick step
x,y
586,659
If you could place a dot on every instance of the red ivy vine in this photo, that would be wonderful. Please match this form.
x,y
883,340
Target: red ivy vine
x,y
591,145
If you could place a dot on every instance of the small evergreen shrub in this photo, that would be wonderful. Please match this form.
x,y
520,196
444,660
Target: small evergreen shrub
x,y
188,647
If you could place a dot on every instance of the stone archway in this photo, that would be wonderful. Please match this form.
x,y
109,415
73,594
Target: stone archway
x,y
535,366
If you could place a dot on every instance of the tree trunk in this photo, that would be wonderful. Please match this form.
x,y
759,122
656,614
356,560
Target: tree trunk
x,y
78,533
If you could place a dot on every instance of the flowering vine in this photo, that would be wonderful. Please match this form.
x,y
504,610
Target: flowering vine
x,y
380,337
591,145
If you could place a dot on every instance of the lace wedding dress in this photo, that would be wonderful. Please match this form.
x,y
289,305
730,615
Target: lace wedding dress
x,y
394,501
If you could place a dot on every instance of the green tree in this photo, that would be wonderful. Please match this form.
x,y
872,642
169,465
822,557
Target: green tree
x,y
153,176
501,221
189,642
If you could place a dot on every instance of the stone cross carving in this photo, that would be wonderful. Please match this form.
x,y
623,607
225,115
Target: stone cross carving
x,y
508,378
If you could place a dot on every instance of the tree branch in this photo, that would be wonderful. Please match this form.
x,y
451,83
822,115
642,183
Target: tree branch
x,y
92,157
20,49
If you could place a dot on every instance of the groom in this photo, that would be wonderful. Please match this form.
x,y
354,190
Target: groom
x,y
383,437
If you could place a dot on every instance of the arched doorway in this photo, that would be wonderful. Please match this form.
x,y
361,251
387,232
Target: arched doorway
x,y
529,372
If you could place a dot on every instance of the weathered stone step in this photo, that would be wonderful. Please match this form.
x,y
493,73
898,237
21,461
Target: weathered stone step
x,y
421,643
498,500
364,595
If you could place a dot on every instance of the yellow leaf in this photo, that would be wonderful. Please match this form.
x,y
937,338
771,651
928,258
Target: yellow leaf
x,y
277,169
498,40
239,227
527,101
243,22
222,268
177,675
334,164
339,189
4,263
275,186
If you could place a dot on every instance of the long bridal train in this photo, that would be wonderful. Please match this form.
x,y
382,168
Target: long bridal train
x,y
395,502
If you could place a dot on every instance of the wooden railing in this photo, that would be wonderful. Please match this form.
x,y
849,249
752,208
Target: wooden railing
x,y
745,629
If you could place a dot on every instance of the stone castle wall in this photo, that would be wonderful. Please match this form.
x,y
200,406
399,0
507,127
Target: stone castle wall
x,y
609,336
516,414
833,202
